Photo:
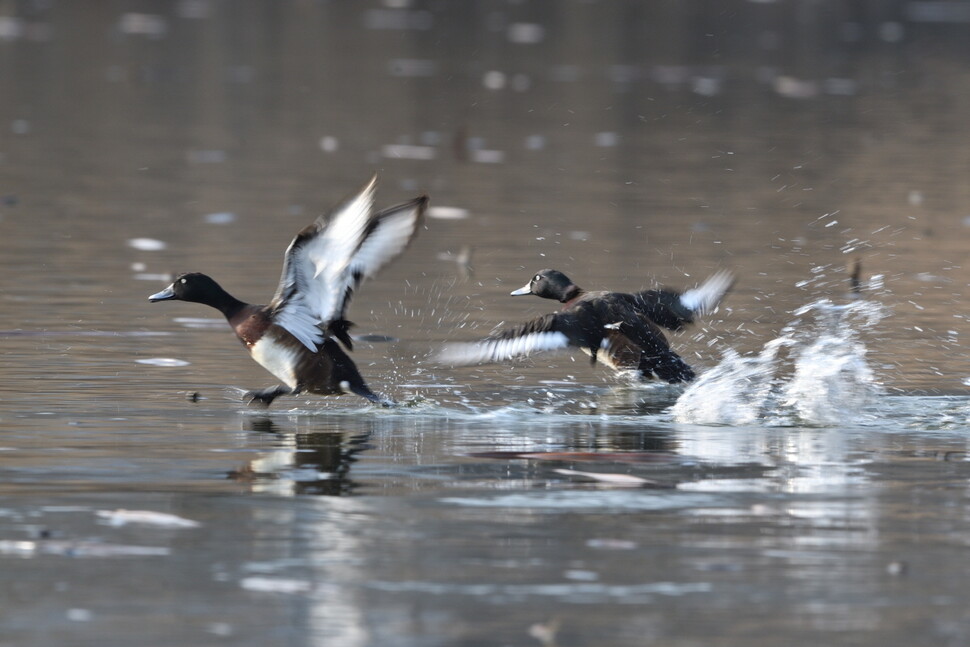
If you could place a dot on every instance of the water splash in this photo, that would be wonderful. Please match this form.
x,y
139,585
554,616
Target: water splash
x,y
821,378
832,379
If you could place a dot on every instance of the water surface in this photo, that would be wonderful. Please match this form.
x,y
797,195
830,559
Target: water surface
x,y
811,489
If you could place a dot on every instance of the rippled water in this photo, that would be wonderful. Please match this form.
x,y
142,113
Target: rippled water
x,y
810,488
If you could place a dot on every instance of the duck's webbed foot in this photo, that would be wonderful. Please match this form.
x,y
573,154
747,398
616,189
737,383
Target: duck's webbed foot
x,y
266,396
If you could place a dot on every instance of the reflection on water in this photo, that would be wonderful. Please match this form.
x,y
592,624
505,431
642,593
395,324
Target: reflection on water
x,y
625,143
304,463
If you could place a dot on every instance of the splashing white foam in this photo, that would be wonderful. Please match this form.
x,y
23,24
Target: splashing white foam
x,y
825,381
732,393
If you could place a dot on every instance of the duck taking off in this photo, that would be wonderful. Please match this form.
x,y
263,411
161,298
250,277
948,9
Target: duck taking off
x,y
618,329
295,336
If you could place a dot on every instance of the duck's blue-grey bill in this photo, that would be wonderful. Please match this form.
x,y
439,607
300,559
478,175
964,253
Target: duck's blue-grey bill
x,y
525,289
164,295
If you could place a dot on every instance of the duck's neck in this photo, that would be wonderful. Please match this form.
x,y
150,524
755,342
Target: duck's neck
x,y
225,303
572,293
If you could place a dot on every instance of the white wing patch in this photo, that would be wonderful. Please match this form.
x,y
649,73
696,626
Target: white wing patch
x,y
331,253
326,262
705,297
388,239
299,321
497,350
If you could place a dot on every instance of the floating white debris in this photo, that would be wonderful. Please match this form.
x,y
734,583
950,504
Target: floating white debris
x,y
622,480
78,549
200,322
525,33
493,80
163,361
485,156
408,151
412,67
706,86
79,615
789,86
329,144
122,517
581,575
447,213
143,24
222,629
611,544
606,139
138,267
220,218
538,142
11,28
275,585
152,276
147,244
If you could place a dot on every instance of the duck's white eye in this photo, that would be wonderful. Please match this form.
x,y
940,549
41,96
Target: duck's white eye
x,y
536,278
183,280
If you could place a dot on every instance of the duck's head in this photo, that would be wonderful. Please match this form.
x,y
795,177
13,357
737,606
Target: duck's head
x,y
550,284
195,287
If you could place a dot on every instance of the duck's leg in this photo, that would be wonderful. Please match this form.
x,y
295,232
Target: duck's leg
x,y
364,391
266,396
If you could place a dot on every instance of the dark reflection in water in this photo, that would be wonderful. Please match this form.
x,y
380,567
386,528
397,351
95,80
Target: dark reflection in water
x,y
315,463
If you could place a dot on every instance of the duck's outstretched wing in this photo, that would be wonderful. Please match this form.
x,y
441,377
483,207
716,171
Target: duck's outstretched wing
x,y
387,234
328,259
673,310
549,332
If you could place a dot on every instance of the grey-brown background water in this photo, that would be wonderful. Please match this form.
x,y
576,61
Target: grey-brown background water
x,y
622,142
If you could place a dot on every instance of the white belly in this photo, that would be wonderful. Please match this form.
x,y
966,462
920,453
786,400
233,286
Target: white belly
x,y
277,359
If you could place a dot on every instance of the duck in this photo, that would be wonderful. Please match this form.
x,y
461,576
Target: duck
x,y
298,336
620,330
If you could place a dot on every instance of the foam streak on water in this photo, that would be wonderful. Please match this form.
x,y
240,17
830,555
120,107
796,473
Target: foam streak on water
x,y
822,379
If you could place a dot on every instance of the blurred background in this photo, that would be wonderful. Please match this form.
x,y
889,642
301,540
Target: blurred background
x,y
621,142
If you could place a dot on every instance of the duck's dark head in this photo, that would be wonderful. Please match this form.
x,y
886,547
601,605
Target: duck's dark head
x,y
197,288
550,284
